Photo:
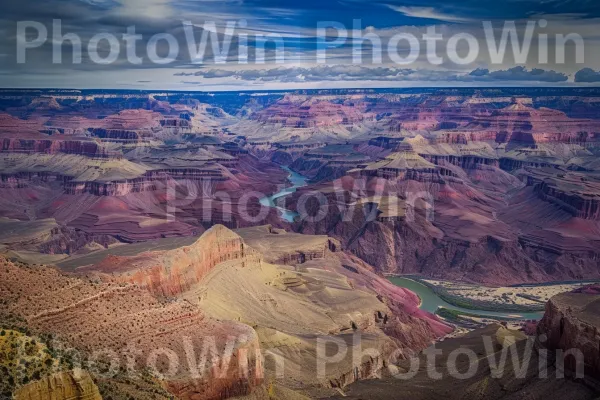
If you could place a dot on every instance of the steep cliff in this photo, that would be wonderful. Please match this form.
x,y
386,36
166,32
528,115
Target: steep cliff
x,y
574,192
84,147
572,322
173,272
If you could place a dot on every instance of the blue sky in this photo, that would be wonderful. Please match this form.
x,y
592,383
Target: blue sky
x,y
296,22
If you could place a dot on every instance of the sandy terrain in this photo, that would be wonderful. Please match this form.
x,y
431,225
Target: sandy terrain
x,y
525,295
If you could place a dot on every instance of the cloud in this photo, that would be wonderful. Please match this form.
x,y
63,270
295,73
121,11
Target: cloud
x,y
428,13
353,73
587,75
145,8
519,74
308,74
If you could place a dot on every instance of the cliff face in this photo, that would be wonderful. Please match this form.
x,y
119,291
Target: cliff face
x,y
572,321
402,247
58,240
458,231
118,134
578,204
81,147
300,112
72,385
573,192
521,123
464,162
173,272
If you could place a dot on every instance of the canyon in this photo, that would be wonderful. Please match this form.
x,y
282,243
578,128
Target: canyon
x,y
220,287
134,223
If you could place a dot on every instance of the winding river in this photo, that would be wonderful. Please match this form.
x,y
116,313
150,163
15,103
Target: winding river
x,y
297,181
429,300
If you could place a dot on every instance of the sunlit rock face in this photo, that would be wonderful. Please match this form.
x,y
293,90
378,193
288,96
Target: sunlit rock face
x,y
75,385
174,272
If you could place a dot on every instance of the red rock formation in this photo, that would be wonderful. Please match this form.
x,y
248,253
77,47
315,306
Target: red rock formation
x,y
21,127
173,272
82,147
523,124
302,112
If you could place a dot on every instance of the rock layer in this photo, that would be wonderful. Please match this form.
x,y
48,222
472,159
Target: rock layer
x,y
71,385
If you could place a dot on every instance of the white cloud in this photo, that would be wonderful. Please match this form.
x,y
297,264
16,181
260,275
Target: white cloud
x,y
154,9
428,13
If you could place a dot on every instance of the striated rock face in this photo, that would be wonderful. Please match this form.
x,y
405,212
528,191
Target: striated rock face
x,y
464,162
286,248
464,231
118,134
301,112
522,123
114,188
173,272
419,248
81,147
572,321
407,166
575,193
21,127
72,385
47,237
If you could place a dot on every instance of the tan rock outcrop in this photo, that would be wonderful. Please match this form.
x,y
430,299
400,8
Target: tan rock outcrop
x,y
67,385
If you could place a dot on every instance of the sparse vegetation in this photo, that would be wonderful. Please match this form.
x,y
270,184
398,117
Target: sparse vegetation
x,y
23,359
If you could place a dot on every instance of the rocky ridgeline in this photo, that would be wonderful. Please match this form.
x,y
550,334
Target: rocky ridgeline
x,y
173,272
150,181
114,188
124,136
462,161
515,123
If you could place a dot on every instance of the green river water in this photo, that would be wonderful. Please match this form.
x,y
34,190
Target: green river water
x,y
431,302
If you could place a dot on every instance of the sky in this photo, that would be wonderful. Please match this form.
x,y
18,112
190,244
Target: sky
x,y
276,44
